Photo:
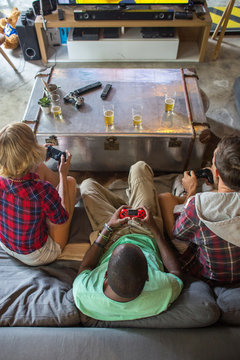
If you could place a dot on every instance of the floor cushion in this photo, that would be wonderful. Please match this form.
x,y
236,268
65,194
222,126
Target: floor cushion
x,y
228,300
195,307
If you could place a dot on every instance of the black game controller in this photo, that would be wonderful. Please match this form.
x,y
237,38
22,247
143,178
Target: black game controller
x,y
55,154
204,174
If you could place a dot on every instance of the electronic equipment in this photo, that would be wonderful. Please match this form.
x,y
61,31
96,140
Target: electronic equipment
x,y
106,91
204,174
55,154
123,3
75,97
48,6
123,15
157,32
111,33
27,36
199,10
89,87
60,14
186,15
85,33
132,213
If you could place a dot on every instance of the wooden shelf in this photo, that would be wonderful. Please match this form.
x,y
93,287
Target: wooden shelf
x,y
193,34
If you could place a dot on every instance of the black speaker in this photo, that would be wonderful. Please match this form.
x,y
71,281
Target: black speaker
x,y
28,38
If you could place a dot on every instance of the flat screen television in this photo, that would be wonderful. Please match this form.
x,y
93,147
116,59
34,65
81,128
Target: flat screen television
x,y
123,3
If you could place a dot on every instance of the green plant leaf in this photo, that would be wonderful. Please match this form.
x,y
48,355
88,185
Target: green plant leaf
x,y
44,101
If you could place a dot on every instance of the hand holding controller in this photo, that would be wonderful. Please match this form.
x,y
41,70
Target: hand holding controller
x,y
204,174
55,154
131,213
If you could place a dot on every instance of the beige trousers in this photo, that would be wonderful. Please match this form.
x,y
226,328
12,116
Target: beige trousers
x,y
101,203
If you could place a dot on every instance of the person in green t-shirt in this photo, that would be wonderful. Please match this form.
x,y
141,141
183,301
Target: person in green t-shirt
x,y
122,275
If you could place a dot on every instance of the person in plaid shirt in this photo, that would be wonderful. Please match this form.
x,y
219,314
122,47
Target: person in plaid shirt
x,y
209,222
36,204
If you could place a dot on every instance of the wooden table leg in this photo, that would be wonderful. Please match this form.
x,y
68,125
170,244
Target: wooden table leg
x,y
41,43
224,19
7,58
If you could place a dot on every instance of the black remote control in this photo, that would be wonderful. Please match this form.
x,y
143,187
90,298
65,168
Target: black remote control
x,y
60,14
106,91
88,87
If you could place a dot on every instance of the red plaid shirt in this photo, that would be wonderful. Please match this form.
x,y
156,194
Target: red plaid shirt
x,y
208,256
24,209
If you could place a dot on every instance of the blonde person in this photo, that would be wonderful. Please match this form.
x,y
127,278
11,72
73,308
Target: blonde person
x,y
36,204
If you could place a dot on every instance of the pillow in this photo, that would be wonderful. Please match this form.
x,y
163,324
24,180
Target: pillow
x,y
195,307
229,304
37,296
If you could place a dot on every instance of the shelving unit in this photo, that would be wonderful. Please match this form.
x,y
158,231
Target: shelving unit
x,y
193,34
130,46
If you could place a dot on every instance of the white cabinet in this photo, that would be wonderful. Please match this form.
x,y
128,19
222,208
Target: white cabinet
x,y
130,46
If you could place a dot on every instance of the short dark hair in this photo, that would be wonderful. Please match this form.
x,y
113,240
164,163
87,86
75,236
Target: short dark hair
x,y
227,161
127,270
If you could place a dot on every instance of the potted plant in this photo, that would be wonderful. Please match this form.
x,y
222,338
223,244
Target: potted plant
x,y
45,104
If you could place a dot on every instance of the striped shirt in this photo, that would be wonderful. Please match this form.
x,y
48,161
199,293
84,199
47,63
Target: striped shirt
x,y
208,256
25,205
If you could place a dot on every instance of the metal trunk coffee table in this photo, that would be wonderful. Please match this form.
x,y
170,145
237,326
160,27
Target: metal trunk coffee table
x,y
168,141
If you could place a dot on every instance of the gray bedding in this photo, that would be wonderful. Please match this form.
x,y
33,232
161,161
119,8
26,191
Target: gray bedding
x,y
39,296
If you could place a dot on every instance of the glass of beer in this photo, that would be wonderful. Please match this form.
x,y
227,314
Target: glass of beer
x,y
170,101
137,114
56,106
108,111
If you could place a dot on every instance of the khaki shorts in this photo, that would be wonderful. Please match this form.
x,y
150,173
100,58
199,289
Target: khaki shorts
x,y
45,255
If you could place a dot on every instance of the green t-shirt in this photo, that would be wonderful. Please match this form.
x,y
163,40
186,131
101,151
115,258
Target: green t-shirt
x,y
158,293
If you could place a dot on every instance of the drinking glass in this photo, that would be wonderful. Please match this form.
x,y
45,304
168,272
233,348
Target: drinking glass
x,y
56,106
137,115
108,111
170,98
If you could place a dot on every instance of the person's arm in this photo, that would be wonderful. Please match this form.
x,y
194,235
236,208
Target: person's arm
x,y
95,252
47,174
190,184
167,254
63,184
184,228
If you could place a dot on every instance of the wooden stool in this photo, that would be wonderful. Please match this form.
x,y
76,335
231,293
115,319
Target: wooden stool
x,y
2,39
224,19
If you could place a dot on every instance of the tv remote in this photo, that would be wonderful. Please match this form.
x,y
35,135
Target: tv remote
x,y
106,91
60,14
88,87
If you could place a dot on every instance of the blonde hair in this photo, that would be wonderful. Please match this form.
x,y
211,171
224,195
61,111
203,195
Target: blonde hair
x,y
19,151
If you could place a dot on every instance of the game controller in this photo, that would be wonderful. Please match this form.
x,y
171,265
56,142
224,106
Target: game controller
x,y
74,96
74,99
137,213
204,174
55,154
